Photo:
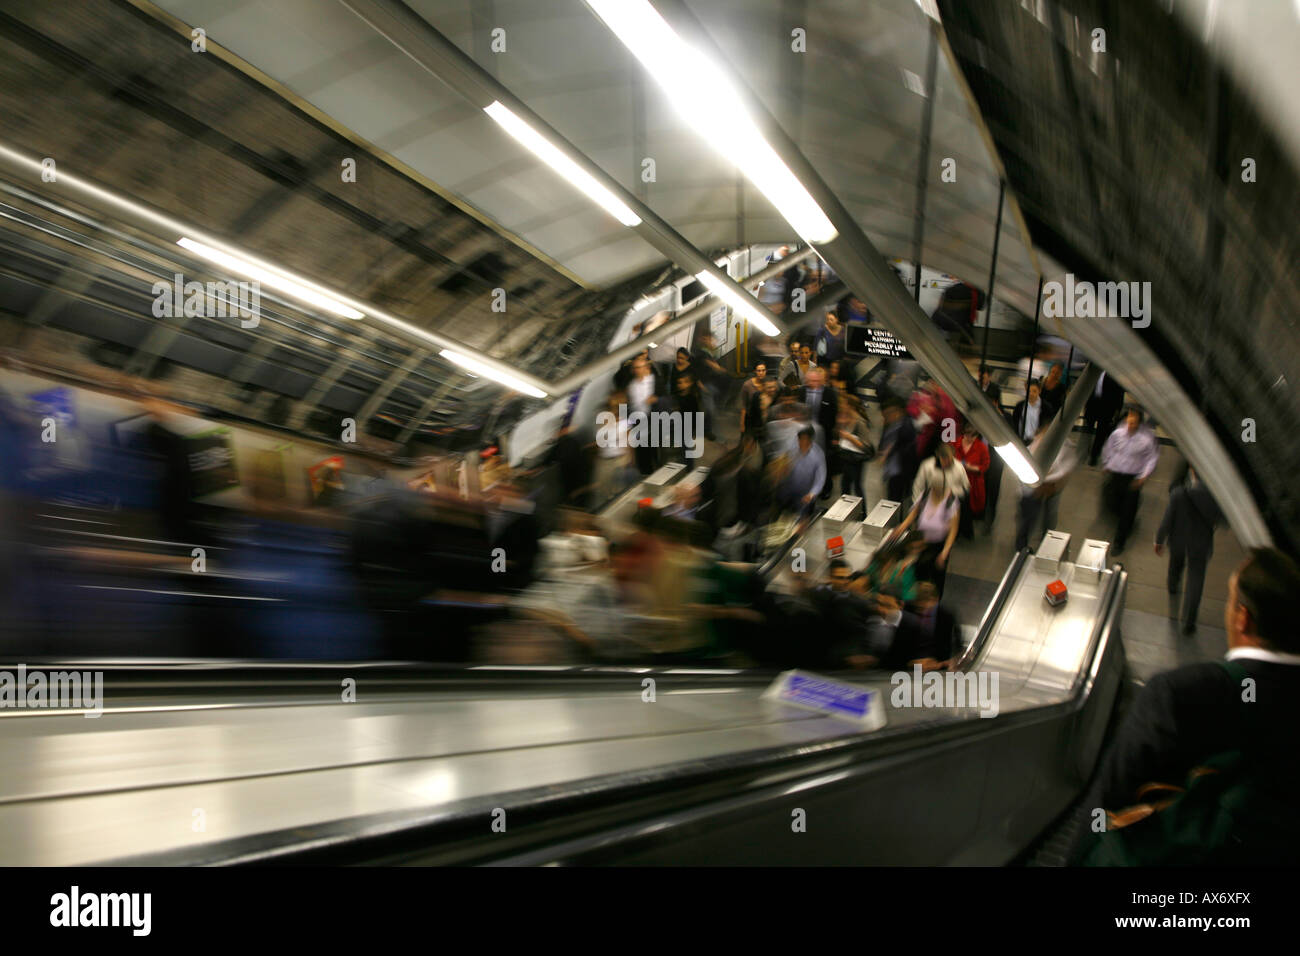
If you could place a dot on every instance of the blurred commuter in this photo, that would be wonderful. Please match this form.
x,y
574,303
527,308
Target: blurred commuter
x,y
740,473
877,642
1129,457
686,503
972,454
843,612
1204,769
644,390
807,362
1037,367
683,364
828,345
822,404
936,516
688,400
623,374
990,389
931,409
576,543
898,449
332,492
993,478
614,466
1032,415
573,465
1054,389
176,509
1188,526
752,385
706,361
941,470
894,566
855,446
1102,411
775,292
1039,504
852,309
713,380
760,405
816,275
512,525
788,374
806,476
785,419
928,633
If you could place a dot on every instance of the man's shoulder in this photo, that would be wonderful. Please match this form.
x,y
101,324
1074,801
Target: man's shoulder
x,y
1205,685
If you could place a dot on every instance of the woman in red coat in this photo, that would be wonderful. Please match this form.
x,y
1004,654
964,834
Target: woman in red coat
x,y
973,453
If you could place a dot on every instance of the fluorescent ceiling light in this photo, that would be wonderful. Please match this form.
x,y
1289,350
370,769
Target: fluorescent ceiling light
x,y
299,289
548,153
743,304
1018,463
711,106
487,371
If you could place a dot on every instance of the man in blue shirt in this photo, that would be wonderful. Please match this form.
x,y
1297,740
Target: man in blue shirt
x,y
807,474
1129,457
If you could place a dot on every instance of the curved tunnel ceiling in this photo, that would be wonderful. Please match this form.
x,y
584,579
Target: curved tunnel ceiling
x,y
861,131
1128,166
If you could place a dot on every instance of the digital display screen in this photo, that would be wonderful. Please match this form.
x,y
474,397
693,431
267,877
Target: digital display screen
x,y
873,340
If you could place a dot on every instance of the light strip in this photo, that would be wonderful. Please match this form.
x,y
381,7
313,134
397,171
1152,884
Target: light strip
x,y
548,153
1018,463
710,105
290,285
474,365
138,213
741,303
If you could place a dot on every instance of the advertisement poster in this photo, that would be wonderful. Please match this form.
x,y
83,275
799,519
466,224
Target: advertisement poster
x,y
211,460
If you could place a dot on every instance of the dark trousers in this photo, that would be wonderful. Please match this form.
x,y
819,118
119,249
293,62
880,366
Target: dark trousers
x,y
966,524
1194,562
832,466
647,459
1121,500
1034,518
992,485
928,570
851,476
898,488
1101,429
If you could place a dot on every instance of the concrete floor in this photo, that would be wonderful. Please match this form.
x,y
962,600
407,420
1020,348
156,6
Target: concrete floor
x,y
1150,625
1151,632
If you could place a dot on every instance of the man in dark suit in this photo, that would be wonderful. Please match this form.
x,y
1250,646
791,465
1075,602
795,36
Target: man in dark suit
x,y
823,405
929,632
1188,526
1031,417
1102,412
1185,716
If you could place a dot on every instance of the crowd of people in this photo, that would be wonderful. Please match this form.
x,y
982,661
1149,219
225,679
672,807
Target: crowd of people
x,y
799,425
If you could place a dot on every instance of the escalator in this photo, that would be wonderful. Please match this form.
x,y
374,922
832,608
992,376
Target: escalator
x,y
222,762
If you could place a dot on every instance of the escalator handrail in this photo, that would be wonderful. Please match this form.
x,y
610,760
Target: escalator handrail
x,y
801,529
1006,587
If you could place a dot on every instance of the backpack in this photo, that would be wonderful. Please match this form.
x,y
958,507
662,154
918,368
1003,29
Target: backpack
x,y
1224,815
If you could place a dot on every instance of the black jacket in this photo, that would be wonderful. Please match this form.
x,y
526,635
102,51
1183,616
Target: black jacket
x,y
1184,716
1106,407
1189,521
994,394
915,641
827,414
1045,417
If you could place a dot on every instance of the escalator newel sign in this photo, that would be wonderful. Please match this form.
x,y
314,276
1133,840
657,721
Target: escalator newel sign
x,y
860,705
